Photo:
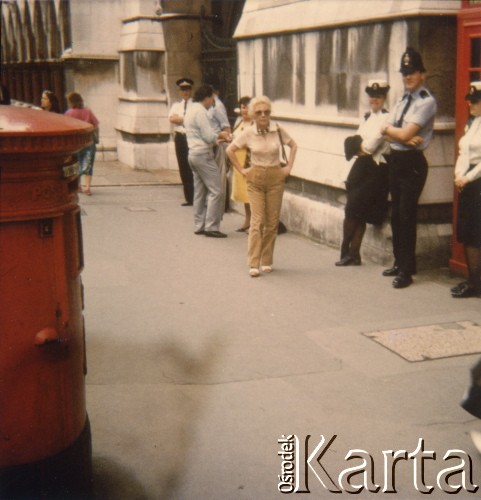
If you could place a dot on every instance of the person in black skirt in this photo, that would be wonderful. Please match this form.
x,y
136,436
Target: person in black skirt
x,y
367,182
467,179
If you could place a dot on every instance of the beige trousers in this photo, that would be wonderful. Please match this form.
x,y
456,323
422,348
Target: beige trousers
x,y
265,187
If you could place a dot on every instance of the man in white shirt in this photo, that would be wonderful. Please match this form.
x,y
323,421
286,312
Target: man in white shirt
x,y
176,116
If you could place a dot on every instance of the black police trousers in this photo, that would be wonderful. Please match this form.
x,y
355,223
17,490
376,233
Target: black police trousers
x,y
408,171
182,154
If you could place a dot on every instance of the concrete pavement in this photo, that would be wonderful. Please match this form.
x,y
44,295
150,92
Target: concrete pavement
x,y
196,370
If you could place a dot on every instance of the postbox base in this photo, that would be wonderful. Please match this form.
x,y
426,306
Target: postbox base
x,y
65,475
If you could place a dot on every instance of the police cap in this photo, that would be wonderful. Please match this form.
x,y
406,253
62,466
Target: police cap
x,y
474,94
377,88
184,83
411,61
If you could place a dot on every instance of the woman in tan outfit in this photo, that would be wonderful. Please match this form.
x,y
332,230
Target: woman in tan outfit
x,y
265,181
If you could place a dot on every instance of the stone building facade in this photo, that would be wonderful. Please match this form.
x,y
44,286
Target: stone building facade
x,y
123,57
313,58
315,70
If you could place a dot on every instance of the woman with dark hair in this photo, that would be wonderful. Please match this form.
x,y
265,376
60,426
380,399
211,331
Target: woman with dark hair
x,y
50,102
86,156
239,185
467,179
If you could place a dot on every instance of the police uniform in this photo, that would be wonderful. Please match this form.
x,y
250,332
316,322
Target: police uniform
x,y
408,170
468,227
180,140
367,182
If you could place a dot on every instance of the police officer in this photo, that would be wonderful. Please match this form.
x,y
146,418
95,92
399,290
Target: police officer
x,y
410,130
467,179
367,182
176,116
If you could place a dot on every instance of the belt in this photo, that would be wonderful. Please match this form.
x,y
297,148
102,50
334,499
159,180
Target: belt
x,y
407,152
263,166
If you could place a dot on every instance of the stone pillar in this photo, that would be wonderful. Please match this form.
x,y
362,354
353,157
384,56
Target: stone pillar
x,y
142,124
155,51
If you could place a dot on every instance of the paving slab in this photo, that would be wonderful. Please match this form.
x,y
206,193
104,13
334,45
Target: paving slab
x,y
196,370
425,342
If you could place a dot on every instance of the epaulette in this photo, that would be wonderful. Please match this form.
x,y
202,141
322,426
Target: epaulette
x,y
424,94
367,115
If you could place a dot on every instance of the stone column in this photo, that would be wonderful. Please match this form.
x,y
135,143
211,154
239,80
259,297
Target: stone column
x,y
144,130
155,51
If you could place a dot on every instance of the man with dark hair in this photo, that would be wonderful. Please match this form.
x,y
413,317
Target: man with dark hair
x,y
201,137
409,130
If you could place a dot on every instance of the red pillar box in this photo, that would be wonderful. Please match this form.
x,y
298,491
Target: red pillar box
x,y
45,447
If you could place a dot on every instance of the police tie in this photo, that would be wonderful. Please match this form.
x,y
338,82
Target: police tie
x,y
406,107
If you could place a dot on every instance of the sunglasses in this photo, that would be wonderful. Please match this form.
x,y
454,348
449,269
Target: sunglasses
x,y
265,113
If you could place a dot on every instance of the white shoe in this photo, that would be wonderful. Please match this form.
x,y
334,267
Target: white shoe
x,y
254,272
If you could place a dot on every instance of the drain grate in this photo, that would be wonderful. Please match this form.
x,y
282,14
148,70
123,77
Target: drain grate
x,y
423,343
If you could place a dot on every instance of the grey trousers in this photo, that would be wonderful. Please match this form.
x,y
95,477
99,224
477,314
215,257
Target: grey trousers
x,y
208,192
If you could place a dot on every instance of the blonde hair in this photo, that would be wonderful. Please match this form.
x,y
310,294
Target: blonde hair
x,y
256,101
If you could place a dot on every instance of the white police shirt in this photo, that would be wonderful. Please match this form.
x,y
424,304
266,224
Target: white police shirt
x,y
180,108
470,152
373,142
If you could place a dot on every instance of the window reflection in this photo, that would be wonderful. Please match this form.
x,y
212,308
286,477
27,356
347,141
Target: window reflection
x,y
324,72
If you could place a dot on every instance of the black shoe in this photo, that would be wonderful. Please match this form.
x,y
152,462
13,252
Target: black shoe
x,y
392,271
215,234
186,204
402,280
199,231
459,286
465,290
349,261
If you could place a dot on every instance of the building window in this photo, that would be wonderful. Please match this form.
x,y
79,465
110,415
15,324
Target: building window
x,y
324,73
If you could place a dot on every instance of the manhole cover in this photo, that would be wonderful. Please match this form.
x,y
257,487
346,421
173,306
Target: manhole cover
x,y
421,343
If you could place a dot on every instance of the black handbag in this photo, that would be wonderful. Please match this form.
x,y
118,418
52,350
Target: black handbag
x,y
351,146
